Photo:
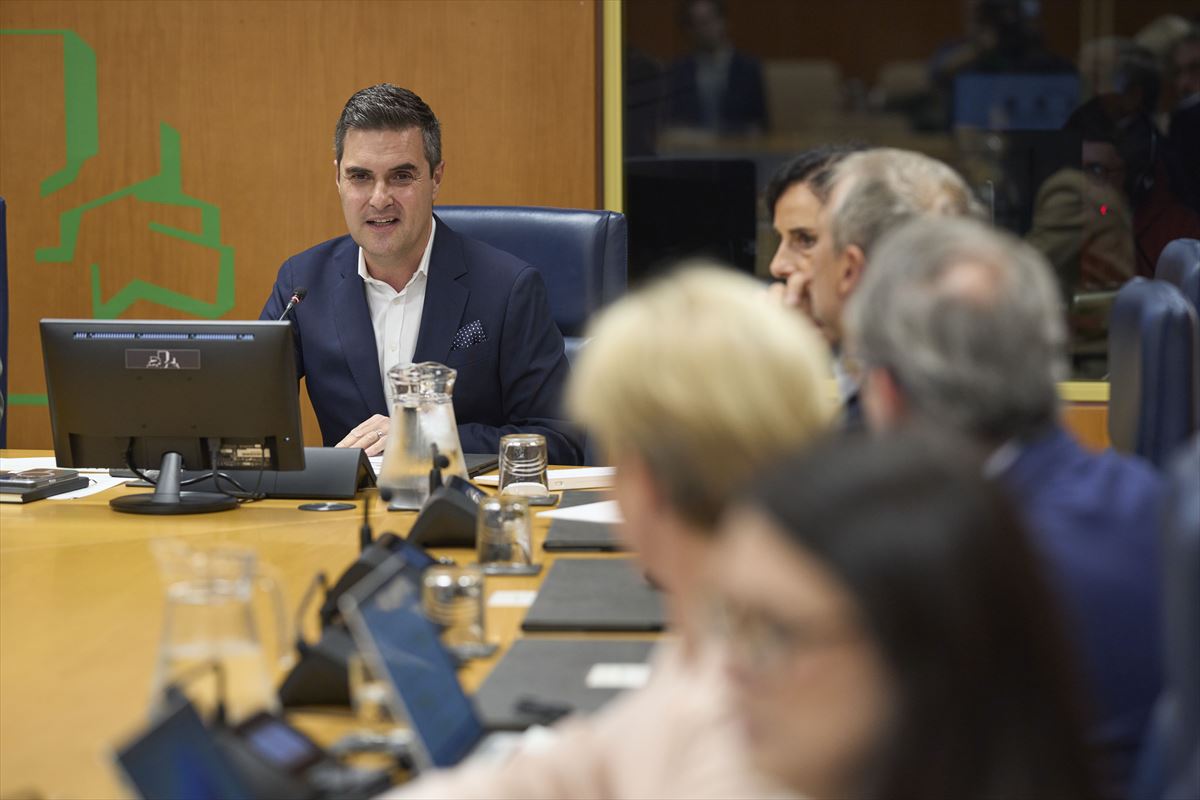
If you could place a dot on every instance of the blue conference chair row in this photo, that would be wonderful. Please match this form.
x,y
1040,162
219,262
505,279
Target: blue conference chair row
x,y
1154,357
1154,411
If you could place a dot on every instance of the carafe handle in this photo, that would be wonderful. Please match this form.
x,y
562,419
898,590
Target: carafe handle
x,y
284,652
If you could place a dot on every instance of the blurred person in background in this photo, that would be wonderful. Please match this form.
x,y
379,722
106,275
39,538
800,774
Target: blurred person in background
x,y
714,87
891,633
1183,130
869,193
961,326
1002,37
727,383
1120,142
1083,225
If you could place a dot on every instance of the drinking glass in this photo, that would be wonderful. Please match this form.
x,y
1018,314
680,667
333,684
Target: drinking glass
x,y
368,692
503,534
452,596
523,464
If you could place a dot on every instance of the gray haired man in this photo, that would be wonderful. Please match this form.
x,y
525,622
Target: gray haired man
x,y
870,193
961,325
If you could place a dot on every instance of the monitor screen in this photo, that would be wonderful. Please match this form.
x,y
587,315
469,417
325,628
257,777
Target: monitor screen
x,y
399,641
1005,101
185,387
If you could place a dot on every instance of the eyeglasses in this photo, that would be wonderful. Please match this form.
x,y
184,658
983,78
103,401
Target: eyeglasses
x,y
1104,172
768,643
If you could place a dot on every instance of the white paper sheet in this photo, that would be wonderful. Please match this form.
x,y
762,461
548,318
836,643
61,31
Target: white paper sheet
x,y
43,462
617,676
560,479
18,464
512,598
606,512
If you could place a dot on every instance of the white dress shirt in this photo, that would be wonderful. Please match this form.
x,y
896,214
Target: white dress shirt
x,y
396,316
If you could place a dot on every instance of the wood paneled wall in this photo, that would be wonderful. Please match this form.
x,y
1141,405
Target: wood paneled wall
x,y
207,156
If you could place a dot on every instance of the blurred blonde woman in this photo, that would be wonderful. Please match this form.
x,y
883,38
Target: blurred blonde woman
x,y
690,386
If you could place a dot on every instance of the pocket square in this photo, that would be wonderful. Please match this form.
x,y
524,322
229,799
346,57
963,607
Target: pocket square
x,y
469,335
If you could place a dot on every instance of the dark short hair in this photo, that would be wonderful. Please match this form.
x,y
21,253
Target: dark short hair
x,y
814,167
385,107
685,10
1091,122
949,589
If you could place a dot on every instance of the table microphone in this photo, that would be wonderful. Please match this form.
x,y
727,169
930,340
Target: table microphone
x,y
298,294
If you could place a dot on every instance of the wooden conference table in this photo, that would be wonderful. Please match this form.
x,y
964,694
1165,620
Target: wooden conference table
x,y
81,608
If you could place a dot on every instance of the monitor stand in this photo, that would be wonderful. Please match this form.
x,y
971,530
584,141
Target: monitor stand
x,y
166,497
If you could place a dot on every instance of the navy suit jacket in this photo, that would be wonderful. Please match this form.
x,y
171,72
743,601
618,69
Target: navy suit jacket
x,y
510,382
1095,519
742,106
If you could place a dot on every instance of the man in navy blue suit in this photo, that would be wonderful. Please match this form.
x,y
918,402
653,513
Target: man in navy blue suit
x,y
714,87
961,325
403,287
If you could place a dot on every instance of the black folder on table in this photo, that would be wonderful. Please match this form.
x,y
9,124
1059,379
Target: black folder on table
x,y
595,594
551,673
568,535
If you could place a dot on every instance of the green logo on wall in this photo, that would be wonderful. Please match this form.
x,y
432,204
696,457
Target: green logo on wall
x,y
166,188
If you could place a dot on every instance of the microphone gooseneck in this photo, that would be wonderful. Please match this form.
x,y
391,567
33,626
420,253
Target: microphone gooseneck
x,y
298,294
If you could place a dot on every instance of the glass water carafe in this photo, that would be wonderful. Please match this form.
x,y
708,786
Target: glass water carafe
x,y
422,426
210,618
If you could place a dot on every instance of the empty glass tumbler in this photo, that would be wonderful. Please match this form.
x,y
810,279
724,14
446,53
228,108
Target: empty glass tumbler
x,y
503,536
523,464
452,597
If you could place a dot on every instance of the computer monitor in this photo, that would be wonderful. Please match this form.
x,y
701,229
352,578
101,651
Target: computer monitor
x,y
172,395
679,208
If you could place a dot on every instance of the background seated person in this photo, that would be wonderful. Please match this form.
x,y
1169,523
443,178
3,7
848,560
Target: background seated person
x,y
403,287
727,383
715,87
891,634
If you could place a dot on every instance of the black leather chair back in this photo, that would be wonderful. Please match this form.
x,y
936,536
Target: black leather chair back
x,y
581,254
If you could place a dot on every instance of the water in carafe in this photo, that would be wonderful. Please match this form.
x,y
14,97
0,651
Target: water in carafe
x,y
422,420
210,618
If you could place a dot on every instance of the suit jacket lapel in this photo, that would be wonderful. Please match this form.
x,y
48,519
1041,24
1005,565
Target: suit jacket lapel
x,y
352,318
445,297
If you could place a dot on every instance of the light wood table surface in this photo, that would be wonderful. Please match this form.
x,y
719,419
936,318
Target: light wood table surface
x,y
81,608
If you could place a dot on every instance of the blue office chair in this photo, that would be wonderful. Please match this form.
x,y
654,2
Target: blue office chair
x,y
1169,766
1179,264
582,255
5,364
1154,370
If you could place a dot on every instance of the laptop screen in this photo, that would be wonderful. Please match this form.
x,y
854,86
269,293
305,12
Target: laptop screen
x,y
178,758
389,627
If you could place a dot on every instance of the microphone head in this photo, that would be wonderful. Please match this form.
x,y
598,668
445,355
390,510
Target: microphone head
x,y
300,293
